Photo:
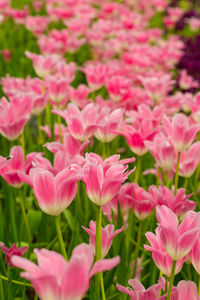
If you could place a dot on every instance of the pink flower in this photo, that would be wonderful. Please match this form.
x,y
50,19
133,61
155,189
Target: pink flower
x,y
109,121
14,115
177,240
189,160
54,278
160,256
96,75
6,54
186,81
70,146
123,200
54,193
179,203
108,234
82,124
43,65
157,87
118,87
10,252
184,290
56,88
137,134
180,132
142,202
139,292
195,256
163,151
79,95
10,171
103,179
15,165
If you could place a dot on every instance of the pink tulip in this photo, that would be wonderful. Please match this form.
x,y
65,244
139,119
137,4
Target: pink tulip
x,y
70,146
14,115
195,256
177,240
189,160
137,134
55,278
54,193
139,292
180,132
179,203
157,87
103,179
79,95
43,65
142,202
108,234
82,124
186,81
161,258
108,122
10,171
16,165
96,75
162,151
56,88
123,200
118,87
10,252
185,290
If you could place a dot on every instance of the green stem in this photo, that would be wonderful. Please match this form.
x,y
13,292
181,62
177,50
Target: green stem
x,y
102,287
177,170
59,125
139,237
15,281
60,237
138,167
12,216
104,151
194,192
23,141
167,179
98,252
199,286
25,216
39,123
1,288
158,177
171,280
98,233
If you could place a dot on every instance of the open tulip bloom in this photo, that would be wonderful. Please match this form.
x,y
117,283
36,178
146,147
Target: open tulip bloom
x,y
54,278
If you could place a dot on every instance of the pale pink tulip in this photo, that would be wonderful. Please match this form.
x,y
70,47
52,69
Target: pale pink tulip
x,y
179,203
161,258
103,179
137,133
14,115
180,132
189,160
82,124
177,240
55,278
139,292
107,233
163,151
53,192
195,256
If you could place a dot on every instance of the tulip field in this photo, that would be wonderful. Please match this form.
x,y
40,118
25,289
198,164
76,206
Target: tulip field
x,y
99,150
